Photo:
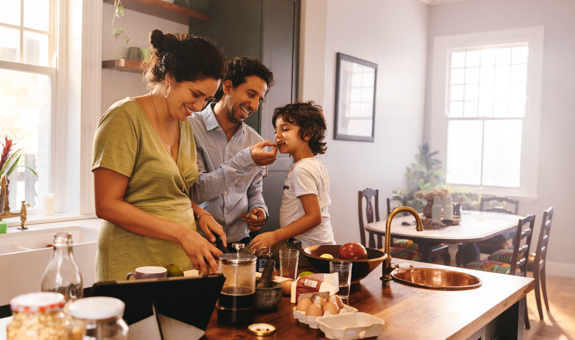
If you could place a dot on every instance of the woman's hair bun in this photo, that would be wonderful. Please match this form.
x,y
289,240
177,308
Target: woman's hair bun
x,y
156,38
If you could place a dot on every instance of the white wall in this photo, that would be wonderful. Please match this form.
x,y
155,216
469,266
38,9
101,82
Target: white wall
x,y
557,159
118,85
392,34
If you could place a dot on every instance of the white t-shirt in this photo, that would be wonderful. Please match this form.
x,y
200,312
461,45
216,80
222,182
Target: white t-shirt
x,y
307,176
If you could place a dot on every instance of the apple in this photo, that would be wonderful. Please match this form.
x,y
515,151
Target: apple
x,y
352,251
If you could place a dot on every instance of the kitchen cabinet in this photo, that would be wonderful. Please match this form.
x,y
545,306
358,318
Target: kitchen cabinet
x,y
269,31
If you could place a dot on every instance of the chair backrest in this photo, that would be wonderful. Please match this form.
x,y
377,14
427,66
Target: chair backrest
x,y
541,250
487,202
400,198
371,210
521,244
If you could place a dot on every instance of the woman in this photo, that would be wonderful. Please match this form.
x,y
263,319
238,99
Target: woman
x,y
144,164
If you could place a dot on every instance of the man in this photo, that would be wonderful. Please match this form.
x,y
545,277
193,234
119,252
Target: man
x,y
230,154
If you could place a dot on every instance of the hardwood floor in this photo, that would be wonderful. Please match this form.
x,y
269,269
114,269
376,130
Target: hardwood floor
x,y
559,321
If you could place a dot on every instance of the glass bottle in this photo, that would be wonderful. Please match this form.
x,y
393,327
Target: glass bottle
x,y
98,318
436,208
38,316
263,254
447,208
62,274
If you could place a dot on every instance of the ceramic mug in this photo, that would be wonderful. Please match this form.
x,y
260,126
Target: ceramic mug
x,y
134,54
148,272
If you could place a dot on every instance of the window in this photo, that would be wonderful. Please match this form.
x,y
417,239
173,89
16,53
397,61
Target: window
x,y
27,94
485,120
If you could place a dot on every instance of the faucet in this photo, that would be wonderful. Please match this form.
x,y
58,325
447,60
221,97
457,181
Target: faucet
x,y
6,211
387,265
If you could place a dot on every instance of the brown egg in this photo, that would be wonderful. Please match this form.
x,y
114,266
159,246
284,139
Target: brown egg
x,y
303,304
331,308
286,287
318,300
313,310
337,300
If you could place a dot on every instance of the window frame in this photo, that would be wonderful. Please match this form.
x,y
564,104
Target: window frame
x,y
443,46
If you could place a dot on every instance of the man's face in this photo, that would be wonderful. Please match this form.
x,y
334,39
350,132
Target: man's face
x,y
242,101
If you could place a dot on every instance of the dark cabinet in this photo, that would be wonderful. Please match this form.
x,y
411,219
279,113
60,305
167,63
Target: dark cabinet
x,y
267,30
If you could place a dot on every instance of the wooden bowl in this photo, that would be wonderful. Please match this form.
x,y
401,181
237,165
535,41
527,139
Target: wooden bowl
x,y
360,268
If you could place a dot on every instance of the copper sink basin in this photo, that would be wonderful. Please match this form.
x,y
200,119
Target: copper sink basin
x,y
436,278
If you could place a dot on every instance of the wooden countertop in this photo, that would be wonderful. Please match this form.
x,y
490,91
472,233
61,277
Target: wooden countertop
x,y
409,312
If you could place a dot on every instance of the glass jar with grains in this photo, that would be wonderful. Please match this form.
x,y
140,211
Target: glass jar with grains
x,y
38,316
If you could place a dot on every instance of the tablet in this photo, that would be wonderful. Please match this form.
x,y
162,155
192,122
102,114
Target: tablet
x,y
189,300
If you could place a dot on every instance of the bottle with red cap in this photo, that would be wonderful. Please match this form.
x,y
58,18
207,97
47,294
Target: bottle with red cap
x,y
38,316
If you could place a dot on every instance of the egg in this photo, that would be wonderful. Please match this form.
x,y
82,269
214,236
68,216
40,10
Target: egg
x,y
319,301
337,300
331,308
313,310
286,287
303,304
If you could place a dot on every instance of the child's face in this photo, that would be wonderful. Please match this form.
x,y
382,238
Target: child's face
x,y
289,133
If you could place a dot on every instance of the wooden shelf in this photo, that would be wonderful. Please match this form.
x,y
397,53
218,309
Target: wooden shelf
x,y
125,65
164,10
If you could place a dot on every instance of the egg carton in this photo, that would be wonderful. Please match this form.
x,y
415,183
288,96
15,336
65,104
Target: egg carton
x,y
350,326
311,321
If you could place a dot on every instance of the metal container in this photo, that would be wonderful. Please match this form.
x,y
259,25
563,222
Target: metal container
x,y
236,301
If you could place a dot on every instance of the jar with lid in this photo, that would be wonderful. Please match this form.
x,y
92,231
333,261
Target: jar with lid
x,y
98,318
38,316
62,274
263,254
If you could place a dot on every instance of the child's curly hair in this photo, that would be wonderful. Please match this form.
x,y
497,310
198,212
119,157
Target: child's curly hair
x,y
309,117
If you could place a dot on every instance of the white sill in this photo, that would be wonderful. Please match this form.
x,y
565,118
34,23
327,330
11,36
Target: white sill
x,y
39,219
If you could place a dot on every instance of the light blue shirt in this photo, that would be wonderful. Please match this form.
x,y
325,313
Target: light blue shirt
x,y
229,181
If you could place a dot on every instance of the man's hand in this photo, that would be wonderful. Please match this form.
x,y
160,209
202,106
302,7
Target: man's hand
x,y
255,224
268,239
262,157
209,226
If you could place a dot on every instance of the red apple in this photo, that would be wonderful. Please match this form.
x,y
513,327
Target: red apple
x,y
352,251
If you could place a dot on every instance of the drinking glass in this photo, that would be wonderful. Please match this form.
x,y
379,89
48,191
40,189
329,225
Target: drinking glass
x,y
344,275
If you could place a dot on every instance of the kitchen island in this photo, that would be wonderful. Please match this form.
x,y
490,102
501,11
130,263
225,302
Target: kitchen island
x,y
495,308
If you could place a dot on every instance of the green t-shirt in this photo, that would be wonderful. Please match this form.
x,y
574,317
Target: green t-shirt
x,y
127,143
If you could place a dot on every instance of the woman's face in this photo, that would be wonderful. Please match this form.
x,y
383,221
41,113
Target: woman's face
x,y
187,97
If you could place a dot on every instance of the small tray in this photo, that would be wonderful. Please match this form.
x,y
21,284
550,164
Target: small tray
x,y
311,321
427,221
350,326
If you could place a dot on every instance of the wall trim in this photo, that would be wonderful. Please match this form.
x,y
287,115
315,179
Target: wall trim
x,y
439,2
560,269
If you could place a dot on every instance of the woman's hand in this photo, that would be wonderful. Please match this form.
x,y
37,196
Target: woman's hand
x,y
199,250
209,226
268,239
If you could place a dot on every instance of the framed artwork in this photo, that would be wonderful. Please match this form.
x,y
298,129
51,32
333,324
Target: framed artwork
x,y
355,99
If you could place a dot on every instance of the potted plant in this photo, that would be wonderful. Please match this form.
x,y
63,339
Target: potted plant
x,y
8,163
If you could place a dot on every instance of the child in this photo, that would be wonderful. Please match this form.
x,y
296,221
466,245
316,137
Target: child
x,y
304,217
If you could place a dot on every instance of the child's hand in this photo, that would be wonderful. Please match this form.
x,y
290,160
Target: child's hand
x,y
255,224
266,239
262,157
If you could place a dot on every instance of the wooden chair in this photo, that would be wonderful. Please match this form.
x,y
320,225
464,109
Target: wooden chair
x,y
371,197
497,204
439,250
519,258
539,263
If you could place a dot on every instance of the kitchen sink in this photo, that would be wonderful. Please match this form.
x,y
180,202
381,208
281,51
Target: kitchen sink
x,y
434,278
27,240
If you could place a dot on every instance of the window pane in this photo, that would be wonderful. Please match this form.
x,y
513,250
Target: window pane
x,y
35,49
473,58
503,56
9,44
502,74
464,152
520,55
457,76
25,117
472,75
458,59
502,153
487,75
488,57
501,104
470,109
10,13
37,14
456,92
471,92
456,109
519,73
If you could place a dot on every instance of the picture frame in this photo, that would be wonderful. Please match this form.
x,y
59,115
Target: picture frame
x,y
355,89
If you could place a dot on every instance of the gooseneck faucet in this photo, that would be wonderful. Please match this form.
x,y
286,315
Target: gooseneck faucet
x,y
387,265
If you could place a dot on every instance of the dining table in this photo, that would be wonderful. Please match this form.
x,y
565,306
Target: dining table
x,y
474,226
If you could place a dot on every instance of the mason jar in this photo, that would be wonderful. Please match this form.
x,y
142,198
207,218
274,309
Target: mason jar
x,y
38,316
98,318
